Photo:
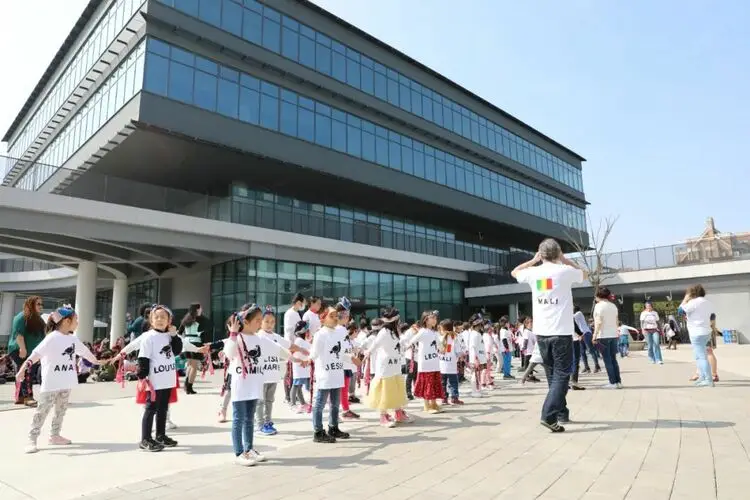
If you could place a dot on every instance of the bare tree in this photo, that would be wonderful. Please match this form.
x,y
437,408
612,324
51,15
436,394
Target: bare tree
x,y
592,257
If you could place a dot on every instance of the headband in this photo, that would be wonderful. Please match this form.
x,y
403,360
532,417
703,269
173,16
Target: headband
x,y
268,310
156,307
343,301
61,313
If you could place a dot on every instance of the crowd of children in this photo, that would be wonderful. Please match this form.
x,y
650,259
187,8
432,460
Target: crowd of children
x,y
391,360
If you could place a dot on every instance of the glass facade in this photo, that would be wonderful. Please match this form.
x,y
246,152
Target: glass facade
x,y
271,282
273,211
121,85
108,27
183,76
145,292
20,265
266,27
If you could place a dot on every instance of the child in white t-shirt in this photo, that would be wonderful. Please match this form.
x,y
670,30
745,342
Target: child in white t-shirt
x,y
450,350
272,372
530,347
57,354
429,385
477,353
488,381
301,367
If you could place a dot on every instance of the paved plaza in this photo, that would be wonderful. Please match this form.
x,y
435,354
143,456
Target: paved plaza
x,y
657,439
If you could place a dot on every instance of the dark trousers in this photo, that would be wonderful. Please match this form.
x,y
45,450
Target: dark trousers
x,y
411,375
26,387
450,384
157,408
557,354
576,361
525,361
610,360
588,345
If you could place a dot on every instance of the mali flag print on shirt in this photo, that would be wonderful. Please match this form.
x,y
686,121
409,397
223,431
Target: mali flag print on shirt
x,y
544,285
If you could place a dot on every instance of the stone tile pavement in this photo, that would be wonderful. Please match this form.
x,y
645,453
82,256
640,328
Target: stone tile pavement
x,y
659,438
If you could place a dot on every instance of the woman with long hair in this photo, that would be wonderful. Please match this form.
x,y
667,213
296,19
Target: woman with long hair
x,y
698,311
26,334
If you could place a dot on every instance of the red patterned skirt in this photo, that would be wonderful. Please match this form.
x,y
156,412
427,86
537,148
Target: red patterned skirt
x,y
429,386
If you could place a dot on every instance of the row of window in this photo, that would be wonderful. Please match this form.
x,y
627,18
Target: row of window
x,y
186,77
261,25
274,283
19,265
119,87
144,292
111,23
273,211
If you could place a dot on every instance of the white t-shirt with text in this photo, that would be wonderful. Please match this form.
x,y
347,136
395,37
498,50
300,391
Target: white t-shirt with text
x,y
551,296
247,386
476,348
386,347
57,353
156,346
449,356
271,362
328,354
427,350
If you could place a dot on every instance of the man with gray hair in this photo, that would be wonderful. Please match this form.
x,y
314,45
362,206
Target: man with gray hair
x,y
552,305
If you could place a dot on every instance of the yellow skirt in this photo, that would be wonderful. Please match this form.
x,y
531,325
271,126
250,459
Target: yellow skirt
x,y
387,393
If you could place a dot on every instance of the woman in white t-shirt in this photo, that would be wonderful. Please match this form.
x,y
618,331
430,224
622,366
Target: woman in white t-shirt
x,y
57,354
698,311
388,388
429,386
606,334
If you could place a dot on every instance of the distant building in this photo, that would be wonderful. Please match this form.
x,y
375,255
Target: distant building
x,y
713,246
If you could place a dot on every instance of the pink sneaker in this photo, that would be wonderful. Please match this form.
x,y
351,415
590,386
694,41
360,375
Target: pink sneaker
x,y
387,421
308,408
403,418
59,441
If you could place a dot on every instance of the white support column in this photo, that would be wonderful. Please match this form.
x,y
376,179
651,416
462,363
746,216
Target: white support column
x,y
86,300
513,312
7,311
119,309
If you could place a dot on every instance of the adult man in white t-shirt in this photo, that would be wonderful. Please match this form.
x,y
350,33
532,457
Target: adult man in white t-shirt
x,y
552,305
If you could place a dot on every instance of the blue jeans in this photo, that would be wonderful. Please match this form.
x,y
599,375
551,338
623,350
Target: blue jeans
x,y
506,363
624,349
610,360
699,343
321,396
588,345
242,426
557,354
576,361
450,383
654,349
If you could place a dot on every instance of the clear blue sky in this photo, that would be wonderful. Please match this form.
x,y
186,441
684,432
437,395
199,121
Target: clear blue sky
x,y
655,94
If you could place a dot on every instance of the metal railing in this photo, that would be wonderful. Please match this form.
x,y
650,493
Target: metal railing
x,y
724,249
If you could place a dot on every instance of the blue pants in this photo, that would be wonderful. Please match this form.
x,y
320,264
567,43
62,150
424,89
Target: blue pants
x,y
321,396
624,348
588,345
654,349
506,363
557,353
699,343
450,383
242,426
610,360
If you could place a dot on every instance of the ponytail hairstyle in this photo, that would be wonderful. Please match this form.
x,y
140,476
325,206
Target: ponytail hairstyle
x,y
58,316
301,329
446,327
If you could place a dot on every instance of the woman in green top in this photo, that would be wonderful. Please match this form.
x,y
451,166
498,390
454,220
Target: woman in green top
x,y
27,332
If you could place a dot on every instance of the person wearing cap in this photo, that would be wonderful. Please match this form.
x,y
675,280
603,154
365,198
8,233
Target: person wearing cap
x,y
388,391
551,277
57,356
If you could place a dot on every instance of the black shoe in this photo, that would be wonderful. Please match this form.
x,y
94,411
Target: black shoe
x,y
577,387
597,369
150,445
336,433
586,370
554,427
508,377
410,397
354,399
563,420
166,442
322,437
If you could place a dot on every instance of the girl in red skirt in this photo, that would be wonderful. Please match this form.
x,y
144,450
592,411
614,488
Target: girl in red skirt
x,y
429,385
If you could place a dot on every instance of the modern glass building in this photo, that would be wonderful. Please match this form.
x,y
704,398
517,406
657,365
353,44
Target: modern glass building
x,y
279,115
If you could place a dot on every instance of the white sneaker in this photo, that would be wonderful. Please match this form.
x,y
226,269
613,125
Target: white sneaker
x,y
171,425
609,386
619,385
255,455
661,362
244,460
476,394
31,447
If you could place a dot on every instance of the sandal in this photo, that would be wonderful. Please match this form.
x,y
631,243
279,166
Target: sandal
x,y
716,378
